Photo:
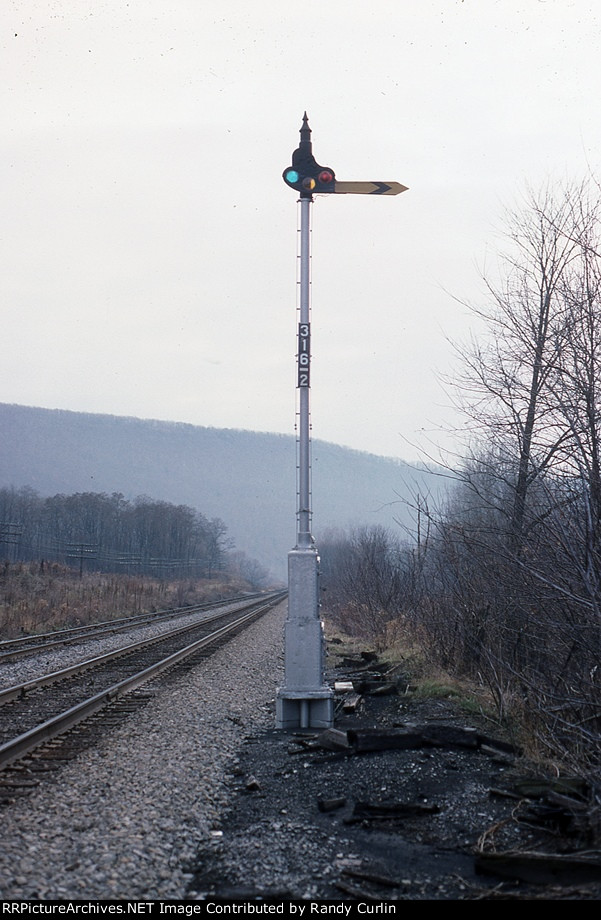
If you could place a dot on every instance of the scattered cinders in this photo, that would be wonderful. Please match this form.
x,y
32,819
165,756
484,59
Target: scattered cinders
x,y
562,816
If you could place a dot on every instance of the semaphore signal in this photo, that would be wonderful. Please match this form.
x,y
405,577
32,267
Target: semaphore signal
x,y
305,700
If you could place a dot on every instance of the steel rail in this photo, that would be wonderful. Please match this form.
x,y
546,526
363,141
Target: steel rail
x,y
18,691
28,741
26,645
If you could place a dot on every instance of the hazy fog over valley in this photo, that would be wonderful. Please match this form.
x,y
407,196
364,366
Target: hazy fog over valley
x,y
245,478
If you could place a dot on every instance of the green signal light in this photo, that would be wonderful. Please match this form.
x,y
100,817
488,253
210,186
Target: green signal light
x,y
292,176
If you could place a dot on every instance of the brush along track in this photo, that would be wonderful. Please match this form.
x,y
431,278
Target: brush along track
x,y
11,649
48,707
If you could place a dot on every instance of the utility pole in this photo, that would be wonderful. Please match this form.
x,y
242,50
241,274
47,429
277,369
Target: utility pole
x,y
10,534
305,700
81,551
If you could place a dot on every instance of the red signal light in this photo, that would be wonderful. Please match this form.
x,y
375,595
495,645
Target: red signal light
x,y
325,176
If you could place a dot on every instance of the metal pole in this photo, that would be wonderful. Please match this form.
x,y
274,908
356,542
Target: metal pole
x,y
304,702
304,538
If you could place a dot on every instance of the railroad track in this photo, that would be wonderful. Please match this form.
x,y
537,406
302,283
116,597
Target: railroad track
x,y
11,649
38,711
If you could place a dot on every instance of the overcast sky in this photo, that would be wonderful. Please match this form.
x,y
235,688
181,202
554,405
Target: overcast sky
x,y
148,241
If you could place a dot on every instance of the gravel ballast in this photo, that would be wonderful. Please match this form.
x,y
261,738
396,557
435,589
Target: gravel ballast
x,y
196,796
126,818
45,662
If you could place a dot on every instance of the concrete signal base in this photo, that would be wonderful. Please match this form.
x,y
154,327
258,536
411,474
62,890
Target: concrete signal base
x,y
304,701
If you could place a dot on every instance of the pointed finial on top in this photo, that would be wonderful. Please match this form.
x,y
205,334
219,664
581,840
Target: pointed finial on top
x,y
305,135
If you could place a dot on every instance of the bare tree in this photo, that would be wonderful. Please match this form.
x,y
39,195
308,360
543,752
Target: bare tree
x,y
505,387
511,588
364,575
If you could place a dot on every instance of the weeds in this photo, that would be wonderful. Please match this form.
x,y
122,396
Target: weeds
x,y
43,597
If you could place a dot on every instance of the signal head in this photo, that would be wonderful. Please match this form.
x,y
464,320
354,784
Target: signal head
x,y
309,178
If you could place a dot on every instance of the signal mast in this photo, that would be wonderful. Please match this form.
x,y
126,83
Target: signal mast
x,y
305,700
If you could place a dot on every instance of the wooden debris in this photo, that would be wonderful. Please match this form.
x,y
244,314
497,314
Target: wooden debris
x,y
385,689
410,736
300,743
504,793
536,788
568,802
383,880
496,745
497,755
548,893
540,868
369,684
449,736
374,739
351,703
567,821
333,740
358,893
359,663
390,811
327,805
296,747
559,805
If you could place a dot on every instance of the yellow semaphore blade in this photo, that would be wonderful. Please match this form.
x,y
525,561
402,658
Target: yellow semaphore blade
x,y
369,188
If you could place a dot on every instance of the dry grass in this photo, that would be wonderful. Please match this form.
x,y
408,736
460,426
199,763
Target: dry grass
x,y
423,678
520,719
36,598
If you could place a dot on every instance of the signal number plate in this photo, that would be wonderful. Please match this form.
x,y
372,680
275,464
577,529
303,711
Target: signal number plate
x,y
304,354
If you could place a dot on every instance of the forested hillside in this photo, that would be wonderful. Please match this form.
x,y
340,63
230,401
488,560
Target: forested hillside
x,y
107,533
245,479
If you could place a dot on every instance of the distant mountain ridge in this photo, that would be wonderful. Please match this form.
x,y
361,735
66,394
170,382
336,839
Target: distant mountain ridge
x,y
246,478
